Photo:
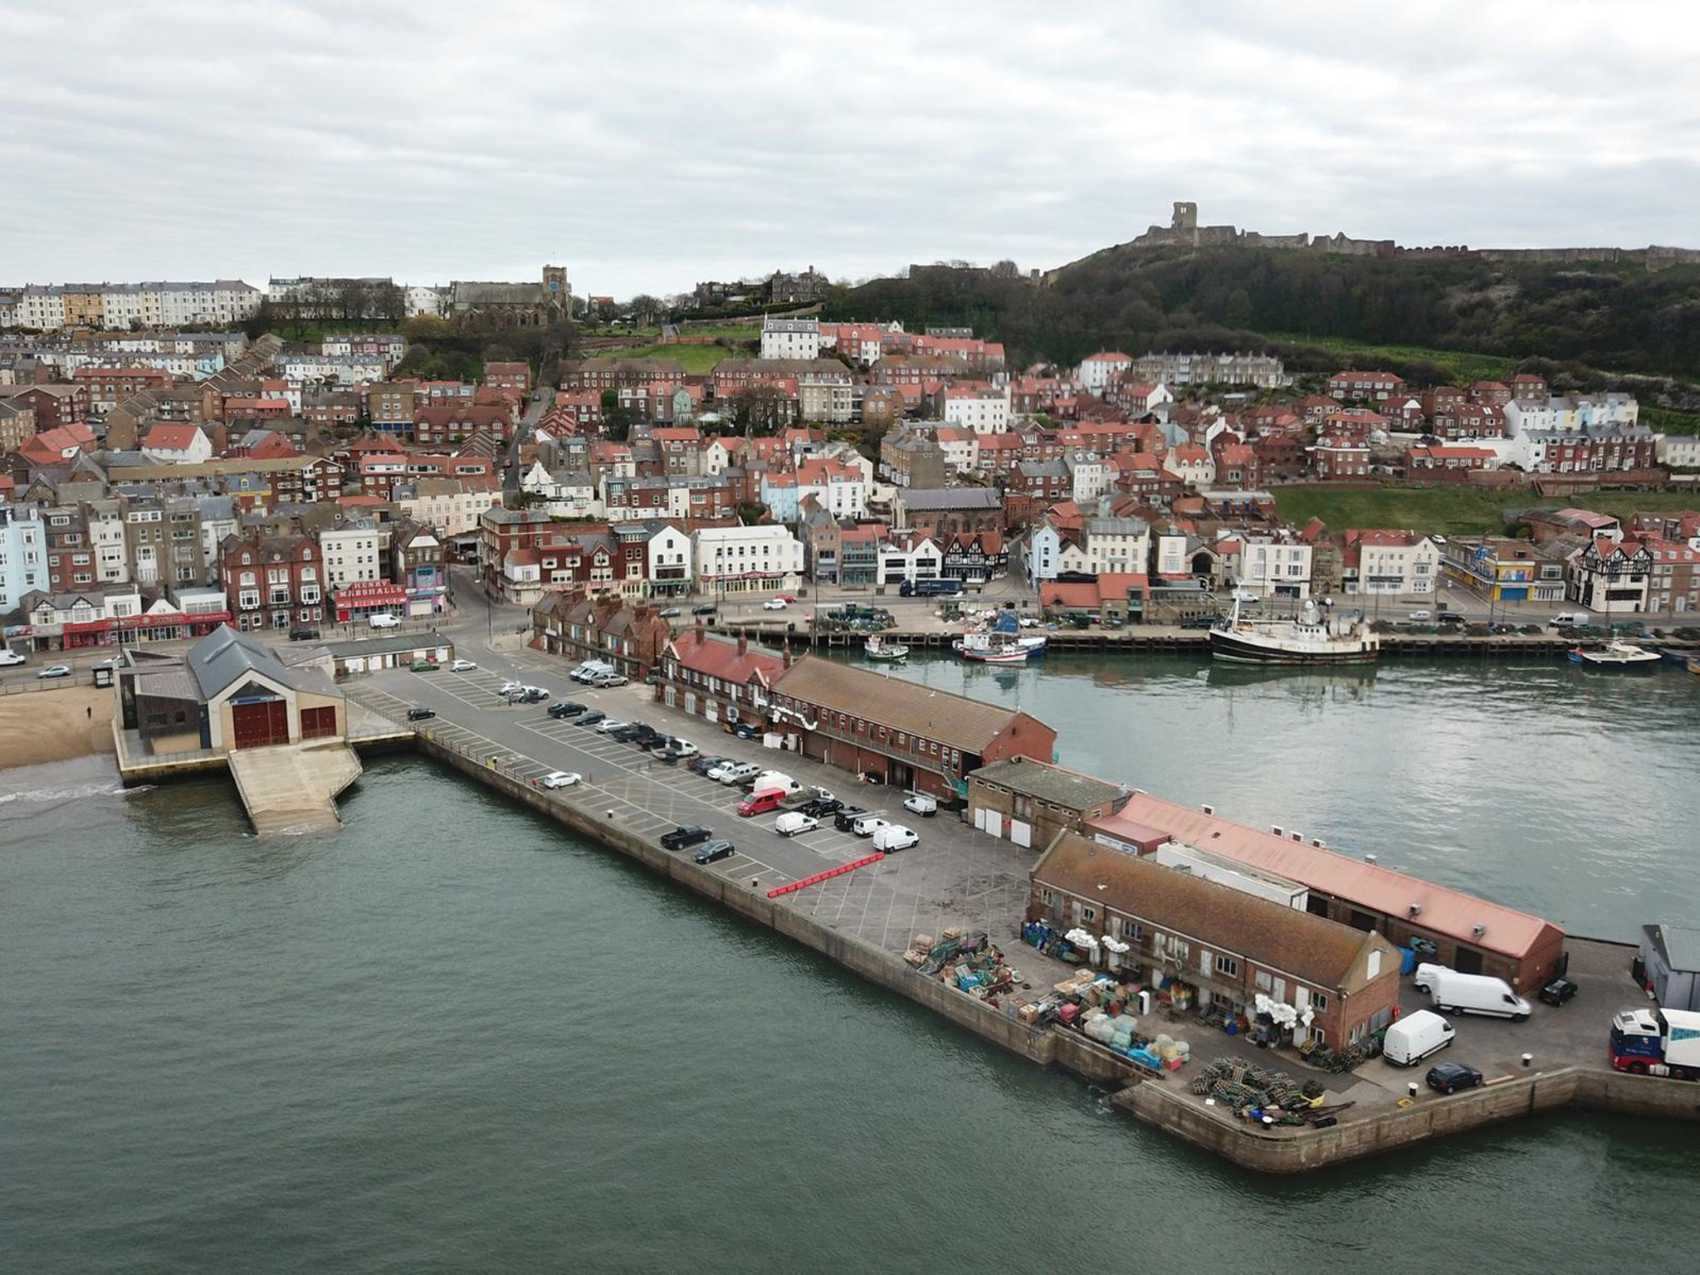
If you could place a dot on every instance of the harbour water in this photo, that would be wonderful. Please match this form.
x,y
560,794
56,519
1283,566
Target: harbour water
x,y
450,1037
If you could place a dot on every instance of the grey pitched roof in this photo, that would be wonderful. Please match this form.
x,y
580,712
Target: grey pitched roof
x,y
951,498
224,655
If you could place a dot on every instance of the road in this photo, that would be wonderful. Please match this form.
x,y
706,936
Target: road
x,y
541,401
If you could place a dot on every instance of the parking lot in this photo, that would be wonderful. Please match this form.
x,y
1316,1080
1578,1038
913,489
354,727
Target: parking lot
x,y
955,876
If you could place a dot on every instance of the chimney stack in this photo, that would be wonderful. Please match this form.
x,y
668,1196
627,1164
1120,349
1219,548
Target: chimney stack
x,y
743,644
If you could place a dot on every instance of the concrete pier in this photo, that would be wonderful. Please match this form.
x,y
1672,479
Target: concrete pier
x,y
294,787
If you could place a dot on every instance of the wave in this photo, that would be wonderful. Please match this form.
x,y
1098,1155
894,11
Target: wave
x,y
104,789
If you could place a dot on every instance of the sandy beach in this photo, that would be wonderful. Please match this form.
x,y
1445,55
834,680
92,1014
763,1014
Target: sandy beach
x,y
44,726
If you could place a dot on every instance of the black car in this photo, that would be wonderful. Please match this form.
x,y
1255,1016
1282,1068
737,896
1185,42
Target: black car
x,y
846,816
702,763
744,731
820,807
710,609
566,708
591,718
420,714
715,850
536,695
1558,991
1450,1077
683,836
303,635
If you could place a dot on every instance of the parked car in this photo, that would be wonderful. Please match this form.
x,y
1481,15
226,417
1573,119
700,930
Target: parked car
x,y
462,666
894,837
562,779
423,666
743,730
625,734
845,818
867,825
773,604
303,635
1450,1077
9,659
705,762
1559,991
759,803
670,613
509,686
1569,619
678,747
566,708
918,803
793,823
55,670
715,850
382,622
602,681
684,836
609,725
1418,616
821,807
591,718
710,609
420,714
735,772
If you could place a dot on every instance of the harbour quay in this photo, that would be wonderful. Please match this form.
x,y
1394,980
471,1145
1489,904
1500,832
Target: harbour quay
x,y
970,876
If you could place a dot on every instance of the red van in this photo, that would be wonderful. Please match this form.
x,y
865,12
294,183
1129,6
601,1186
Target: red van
x,y
759,803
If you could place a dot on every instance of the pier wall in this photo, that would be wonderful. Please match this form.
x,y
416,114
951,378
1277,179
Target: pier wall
x,y
1278,1151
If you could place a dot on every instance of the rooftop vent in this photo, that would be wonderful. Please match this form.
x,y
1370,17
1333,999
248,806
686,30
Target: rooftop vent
x,y
1369,858
1317,842
1276,829
1478,930
1297,836
1208,809
1416,909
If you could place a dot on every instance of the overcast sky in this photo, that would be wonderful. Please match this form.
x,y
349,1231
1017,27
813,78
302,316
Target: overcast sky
x,y
651,144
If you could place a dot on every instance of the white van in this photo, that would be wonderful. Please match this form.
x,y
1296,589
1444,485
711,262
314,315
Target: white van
x,y
1568,619
774,779
894,837
1414,1037
793,822
1457,993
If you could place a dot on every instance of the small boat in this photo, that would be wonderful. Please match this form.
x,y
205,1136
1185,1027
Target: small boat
x,y
877,648
985,648
1694,665
1615,655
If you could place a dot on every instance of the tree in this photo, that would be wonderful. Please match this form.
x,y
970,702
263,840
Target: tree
x,y
759,409
616,418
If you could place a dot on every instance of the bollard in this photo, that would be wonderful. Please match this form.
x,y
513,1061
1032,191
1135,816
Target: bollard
x,y
1527,1059
1412,1089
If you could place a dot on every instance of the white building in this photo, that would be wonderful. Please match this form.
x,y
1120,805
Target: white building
x,y
566,494
352,555
1090,476
1275,566
1680,451
1567,413
450,506
106,539
981,408
748,559
1097,371
961,447
417,300
176,444
669,558
1117,545
1049,554
841,490
910,561
1194,465
790,338
1400,563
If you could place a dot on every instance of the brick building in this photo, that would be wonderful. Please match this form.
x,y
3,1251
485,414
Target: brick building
x,y
272,582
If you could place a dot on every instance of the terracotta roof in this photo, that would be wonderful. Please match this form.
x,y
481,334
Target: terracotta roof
x,y
713,657
1445,911
1322,952
170,438
956,720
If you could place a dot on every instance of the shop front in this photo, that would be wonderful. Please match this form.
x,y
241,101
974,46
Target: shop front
x,y
371,597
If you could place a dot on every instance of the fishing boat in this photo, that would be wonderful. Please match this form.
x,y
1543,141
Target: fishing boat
x,y
877,648
1312,638
1615,655
990,648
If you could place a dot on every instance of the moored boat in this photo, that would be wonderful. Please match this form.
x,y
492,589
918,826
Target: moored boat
x,y
988,648
1312,638
877,648
1615,655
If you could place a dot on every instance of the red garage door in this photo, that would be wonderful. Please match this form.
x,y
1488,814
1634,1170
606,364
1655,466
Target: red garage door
x,y
318,723
262,723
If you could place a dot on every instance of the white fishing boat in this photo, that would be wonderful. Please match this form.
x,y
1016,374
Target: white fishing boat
x,y
990,648
1311,638
1614,655
877,648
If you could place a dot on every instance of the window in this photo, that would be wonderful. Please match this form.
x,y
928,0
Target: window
x,y
1132,931
1318,1001
1227,965
1047,898
1261,980
1088,914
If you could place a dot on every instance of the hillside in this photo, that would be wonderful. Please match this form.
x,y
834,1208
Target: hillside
x,y
1618,317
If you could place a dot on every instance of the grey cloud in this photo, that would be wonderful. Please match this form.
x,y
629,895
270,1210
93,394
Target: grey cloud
x,y
650,145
